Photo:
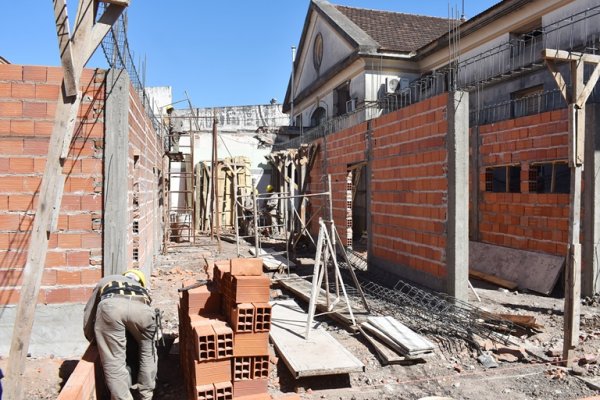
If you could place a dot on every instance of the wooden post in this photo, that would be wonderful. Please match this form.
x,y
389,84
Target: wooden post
x,y
576,100
75,51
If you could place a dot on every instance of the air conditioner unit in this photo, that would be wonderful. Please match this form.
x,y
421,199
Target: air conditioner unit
x,y
391,84
350,105
394,85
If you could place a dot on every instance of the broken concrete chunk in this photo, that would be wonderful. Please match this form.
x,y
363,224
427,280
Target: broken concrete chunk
x,y
487,360
507,357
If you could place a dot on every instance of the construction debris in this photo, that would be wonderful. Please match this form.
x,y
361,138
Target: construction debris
x,y
385,354
399,337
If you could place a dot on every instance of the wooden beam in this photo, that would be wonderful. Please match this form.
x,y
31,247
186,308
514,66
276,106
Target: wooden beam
x,y
49,197
558,78
589,87
496,280
123,3
64,46
563,55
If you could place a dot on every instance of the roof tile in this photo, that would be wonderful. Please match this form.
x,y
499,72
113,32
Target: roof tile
x,y
396,31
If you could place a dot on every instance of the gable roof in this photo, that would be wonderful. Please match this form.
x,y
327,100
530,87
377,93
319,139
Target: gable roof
x,y
396,31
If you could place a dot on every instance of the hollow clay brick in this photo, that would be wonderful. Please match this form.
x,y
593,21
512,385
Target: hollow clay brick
x,y
246,266
223,390
204,392
209,372
251,289
242,318
262,317
250,387
250,344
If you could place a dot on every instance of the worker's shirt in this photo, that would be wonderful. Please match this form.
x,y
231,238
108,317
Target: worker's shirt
x,y
108,285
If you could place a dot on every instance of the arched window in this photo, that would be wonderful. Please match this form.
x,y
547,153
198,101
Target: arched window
x,y
318,116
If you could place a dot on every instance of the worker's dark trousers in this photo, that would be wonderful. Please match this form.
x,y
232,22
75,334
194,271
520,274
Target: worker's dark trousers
x,y
114,317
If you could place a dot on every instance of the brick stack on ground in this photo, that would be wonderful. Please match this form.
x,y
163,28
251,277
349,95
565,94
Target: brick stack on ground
x,y
224,333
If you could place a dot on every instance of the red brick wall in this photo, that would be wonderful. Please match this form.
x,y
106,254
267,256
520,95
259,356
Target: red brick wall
x,y
409,187
526,220
28,98
145,146
408,184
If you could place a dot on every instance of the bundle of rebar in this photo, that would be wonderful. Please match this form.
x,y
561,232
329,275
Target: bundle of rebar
x,y
431,312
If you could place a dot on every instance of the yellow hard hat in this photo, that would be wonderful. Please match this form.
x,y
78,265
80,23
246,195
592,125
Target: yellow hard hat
x,y
269,188
136,275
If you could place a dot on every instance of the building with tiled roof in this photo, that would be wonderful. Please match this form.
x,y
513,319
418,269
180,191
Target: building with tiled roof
x,y
349,57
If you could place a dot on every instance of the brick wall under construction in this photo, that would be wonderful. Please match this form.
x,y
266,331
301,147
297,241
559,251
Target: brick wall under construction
x,y
28,97
534,218
407,185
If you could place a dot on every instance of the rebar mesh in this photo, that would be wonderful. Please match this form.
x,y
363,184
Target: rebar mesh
x,y
428,312
119,56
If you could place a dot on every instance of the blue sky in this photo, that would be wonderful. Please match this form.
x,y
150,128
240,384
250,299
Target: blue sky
x,y
221,52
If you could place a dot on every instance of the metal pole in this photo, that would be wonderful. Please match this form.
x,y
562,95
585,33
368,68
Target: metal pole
x,y
293,121
332,227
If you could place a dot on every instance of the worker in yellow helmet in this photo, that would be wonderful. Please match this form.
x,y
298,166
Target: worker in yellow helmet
x,y
271,212
118,310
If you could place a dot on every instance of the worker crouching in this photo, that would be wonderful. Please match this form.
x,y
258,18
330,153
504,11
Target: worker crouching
x,y
119,308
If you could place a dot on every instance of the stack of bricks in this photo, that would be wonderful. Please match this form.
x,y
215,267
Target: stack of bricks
x,y
224,333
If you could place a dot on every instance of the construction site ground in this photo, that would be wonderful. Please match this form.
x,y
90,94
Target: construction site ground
x,y
453,372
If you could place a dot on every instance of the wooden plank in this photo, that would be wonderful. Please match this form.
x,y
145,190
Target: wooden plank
x,y
564,55
123,3
50,199
558,78
81,384
385,354
526,321
383,337
493,279
302,288
320,355
406,338
272,262
589,87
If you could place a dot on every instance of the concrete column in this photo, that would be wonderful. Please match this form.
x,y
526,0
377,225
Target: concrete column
x,y
591,207
116,172
474,169
457,248
369,166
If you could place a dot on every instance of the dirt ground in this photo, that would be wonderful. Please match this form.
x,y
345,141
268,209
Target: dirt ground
x,y
453,372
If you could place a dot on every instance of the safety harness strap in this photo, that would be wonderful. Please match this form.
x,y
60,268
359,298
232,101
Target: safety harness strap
x,y
124,288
